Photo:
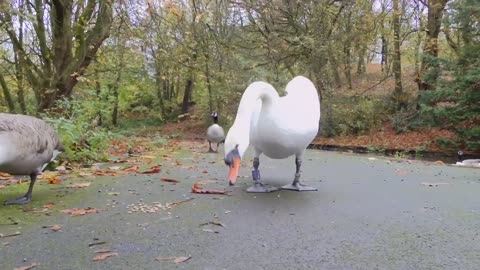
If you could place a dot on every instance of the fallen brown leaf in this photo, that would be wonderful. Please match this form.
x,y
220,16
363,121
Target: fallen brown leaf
x,y
80,212
97,243
48,205
198,189
55,227
5,176
169,180
153,169
182,259
401,171
103,251
175,259
103,256
2,186
131,169
9,235
106,172
439,162
54,181
85,174
80,185
26,267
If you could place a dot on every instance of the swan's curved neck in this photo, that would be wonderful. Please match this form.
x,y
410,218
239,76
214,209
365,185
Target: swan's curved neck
x,y
249,102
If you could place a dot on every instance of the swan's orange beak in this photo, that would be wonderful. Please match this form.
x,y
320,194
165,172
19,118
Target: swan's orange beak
x,y
233,173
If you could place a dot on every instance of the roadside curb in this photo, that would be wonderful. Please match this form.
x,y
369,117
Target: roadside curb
x,y
412,154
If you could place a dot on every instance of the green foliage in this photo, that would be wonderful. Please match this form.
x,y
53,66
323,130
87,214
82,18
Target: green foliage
x,y
82,139
351,115
456,102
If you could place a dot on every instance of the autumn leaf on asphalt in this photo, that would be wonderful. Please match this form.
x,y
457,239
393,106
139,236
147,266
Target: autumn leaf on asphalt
x,y
204,171
80,185
131,169
48,205
401,171
102,256
103,251
26,267
52,178
153,169
85,174
9,235
79,211
5,176
198,189
175,259
55,227
106,173
169,180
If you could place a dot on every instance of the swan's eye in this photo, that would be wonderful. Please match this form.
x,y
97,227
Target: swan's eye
x,y
228,160
231,155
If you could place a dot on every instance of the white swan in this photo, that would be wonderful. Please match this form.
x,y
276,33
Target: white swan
x,y
467,162
276,126
215,133
27,145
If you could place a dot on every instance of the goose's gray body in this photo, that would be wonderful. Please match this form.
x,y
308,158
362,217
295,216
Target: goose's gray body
x,y
215,133
27,145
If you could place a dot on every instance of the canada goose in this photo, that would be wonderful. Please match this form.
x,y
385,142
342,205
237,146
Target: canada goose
x,y
276,126
215,133
27,145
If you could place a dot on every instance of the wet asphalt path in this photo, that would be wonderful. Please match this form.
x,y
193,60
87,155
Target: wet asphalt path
x,y
369,213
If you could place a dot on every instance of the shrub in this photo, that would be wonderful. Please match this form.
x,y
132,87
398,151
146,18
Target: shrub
x,y
353,115
82,139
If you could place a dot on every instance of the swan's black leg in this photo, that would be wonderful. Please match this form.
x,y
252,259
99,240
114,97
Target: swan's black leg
x,y
296,185
258,187
28,196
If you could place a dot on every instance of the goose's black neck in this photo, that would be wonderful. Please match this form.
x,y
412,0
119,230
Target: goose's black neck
x,y
215,119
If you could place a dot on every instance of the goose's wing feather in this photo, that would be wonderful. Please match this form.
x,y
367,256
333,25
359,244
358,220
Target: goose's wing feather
x,y
26,142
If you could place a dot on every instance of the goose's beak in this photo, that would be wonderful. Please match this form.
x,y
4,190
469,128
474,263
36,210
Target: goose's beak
x,y
233,173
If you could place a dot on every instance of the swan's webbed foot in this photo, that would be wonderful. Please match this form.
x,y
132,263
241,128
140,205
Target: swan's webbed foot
x,y
296,185
261,188
23,200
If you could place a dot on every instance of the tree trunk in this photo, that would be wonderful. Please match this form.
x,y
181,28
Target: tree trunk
x,y
58,61
397,66
160,83
384,61
19,64
7,95
347,64
98,93
361,66
429,67
187,94
209,85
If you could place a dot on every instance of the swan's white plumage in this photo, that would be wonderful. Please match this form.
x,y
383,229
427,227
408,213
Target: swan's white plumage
x,y
276,126
469,163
